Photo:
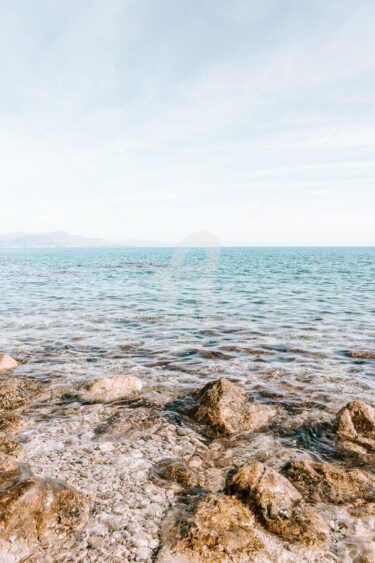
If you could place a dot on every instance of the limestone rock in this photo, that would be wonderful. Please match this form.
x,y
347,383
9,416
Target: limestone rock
x,y
13,424
326,482
7,362
113,388
16,392
227,409
215,528
10,448
276,502
356,422
174,470
35,512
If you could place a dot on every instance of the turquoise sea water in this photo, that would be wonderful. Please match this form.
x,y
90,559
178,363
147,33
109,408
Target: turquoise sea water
x,y
282,321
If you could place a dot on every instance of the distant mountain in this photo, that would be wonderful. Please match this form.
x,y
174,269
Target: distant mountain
x,y
60,239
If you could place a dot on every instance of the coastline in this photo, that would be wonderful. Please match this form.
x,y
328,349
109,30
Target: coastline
x,y
112,453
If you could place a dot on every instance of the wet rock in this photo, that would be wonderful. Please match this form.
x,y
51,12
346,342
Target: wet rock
x,y
356,422
13,424
361,354
113,388
16,392
325,482
227,409
35,512
7,362
215,528
10,448
277,503
174,470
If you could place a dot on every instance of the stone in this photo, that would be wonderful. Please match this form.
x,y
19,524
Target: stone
x,y
227,409
7,362
356,422
113,388
326,482
361,354
13,424
35,513
213,528
10,448
276,503
174,470
16,392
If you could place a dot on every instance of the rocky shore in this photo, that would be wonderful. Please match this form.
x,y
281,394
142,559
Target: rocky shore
x,y
116,477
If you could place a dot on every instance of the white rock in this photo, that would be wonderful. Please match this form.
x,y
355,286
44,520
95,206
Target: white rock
x,y
7,362
113,388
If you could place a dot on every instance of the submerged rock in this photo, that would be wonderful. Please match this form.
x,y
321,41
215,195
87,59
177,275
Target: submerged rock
x,y
325,482
174,470
112,388
13,424
361,354
10,448
35,512
227,409
16,392
7,362
215,528
356,422
277,503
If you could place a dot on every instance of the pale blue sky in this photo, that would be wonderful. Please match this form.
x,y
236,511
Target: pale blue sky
x,y
188,115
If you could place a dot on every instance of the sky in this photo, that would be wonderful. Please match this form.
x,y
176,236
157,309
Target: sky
x,y
251,120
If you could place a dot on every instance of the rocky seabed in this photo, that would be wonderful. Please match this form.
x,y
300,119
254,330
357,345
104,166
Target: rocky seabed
x,y
94,472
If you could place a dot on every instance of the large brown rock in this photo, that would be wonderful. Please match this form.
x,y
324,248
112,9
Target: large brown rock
x,y
113,388
7,362
277,503
35,512
356,422
16,392
227,409
325,482
213,529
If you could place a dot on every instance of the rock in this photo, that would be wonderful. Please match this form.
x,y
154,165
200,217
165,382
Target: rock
x,y
214,528
113,388
10,448
16,392
356,422
276,502
227,409
34,512
325,482
13,423
361,354
174,470
7,362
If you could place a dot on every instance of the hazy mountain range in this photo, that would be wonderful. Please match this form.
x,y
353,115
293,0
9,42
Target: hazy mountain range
x,y
60,239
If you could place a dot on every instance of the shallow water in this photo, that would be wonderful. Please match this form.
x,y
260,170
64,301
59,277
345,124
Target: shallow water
x,y
280,322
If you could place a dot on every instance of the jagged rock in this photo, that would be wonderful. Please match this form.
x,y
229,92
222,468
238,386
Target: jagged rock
x,y
227,409
356,422
215,529
13,424
7,362
35,512
10,448
16,392
174,470
276,502
112,388
325,482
